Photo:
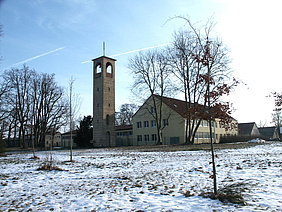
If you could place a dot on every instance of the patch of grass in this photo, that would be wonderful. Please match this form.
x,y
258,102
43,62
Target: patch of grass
x,y
70,161
188,147
229,194
49,167
188,194
34,158
3,155
4,176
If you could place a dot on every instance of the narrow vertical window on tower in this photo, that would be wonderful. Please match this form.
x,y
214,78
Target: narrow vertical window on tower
x,y
107,119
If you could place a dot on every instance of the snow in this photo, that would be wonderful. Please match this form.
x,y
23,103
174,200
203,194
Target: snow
x,y
128,180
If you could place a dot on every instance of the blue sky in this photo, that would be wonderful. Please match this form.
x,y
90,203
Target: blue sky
x,y
57,36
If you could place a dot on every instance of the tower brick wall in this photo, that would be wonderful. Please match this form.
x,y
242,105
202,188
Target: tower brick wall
x,y
104,102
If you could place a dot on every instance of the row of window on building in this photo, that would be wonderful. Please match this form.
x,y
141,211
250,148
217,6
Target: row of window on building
x,y
205,135
128,133
147,137
152,123
205,123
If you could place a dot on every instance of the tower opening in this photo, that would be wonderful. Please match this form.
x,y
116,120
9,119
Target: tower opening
x,y
109,70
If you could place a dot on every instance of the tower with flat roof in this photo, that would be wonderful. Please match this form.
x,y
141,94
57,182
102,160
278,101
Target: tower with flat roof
x,y
104,102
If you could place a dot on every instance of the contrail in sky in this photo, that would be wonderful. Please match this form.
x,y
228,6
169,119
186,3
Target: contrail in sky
x,y
41,55
132,51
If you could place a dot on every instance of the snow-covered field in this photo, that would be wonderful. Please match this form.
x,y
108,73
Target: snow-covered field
x,y
127,180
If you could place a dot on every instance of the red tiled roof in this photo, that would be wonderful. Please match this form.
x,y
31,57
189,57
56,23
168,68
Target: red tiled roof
x,y
177,105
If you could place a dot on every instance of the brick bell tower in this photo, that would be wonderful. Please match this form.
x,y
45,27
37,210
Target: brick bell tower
x,y
104,102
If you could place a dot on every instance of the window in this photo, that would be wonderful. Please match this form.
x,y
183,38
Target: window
x,y
139,124
165,122
146,123
139,137
107,119
153,123
203,135
146,137
153,110
154,137
204,123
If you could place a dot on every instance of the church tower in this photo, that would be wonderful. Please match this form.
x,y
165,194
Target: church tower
x,y
104,102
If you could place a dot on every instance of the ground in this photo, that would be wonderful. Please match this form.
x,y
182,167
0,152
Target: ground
x,y
156,179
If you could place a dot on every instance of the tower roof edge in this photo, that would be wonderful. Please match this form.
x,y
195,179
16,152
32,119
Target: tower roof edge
x,y
104,57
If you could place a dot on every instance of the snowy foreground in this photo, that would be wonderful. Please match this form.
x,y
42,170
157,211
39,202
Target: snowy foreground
x,y
127,180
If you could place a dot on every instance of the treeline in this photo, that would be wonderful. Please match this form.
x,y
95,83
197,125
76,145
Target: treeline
x,y
32,104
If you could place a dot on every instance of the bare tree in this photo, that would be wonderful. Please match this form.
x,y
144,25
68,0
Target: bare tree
x,y
125,114
151,73
19,97
204,71
277,115
74,105
193,55
35,105
51,114
4,88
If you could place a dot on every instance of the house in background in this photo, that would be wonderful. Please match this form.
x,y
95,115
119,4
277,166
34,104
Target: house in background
x,y
123,135
248,129
173,124
269,133
53,140
66,139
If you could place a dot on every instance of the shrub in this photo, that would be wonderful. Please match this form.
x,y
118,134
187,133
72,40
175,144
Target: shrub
x,y
236,138
49,167
48,164
229,194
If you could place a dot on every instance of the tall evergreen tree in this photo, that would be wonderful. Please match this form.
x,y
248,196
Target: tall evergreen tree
x,y
85,132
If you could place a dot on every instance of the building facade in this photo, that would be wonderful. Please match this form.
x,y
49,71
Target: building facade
x,y
173,124
249,129
53,140
68,139
124,135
